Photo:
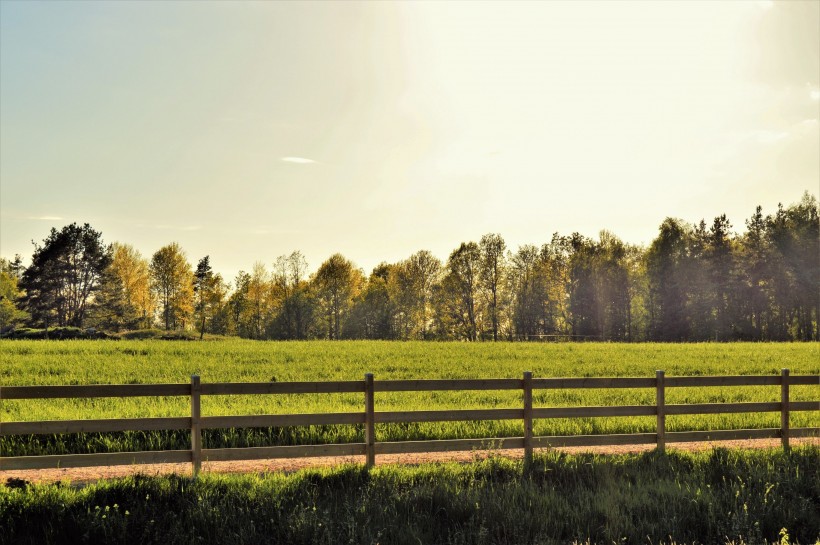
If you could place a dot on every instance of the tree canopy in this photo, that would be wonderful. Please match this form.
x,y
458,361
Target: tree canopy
x,y
694,282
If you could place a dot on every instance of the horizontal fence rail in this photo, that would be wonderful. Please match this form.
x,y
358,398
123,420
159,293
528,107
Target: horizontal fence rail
x,y
369,417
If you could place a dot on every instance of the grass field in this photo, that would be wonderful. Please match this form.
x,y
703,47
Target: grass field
x,y
716,497
101,362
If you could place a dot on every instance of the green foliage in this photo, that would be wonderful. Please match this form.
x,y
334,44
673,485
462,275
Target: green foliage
x,y
64,274
144,362
698,282
55,333
172,280
10,293
713,497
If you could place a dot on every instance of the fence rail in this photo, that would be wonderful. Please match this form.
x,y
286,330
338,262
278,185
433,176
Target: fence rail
x,y
370,417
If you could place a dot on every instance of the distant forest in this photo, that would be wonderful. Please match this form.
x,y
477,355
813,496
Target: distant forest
x,y
701,282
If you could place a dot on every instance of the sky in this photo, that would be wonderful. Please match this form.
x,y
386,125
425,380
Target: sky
x,y
248,130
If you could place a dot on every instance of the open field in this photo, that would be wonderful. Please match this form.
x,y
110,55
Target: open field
x,y
713,497
92,362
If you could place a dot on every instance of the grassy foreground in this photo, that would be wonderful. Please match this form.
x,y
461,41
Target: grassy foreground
x,y
711,497
106,361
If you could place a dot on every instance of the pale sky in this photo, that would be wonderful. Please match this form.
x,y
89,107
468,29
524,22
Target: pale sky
x,y
248,130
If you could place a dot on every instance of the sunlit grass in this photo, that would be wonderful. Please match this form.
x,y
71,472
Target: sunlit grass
x,y
715,497
125,362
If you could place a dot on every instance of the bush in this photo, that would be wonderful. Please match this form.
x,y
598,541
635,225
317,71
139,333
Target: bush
x,y
55,333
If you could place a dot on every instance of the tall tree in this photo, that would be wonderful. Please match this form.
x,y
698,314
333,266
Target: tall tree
x,y
10,293
637,293
293,301
666,259
722,270
424,270
697,278
754,268
373,312
131,271
793,234
209,294
524,271
237,304
336,283
172,282
410,286
259,302
612,287
110,311
492,276
460,290
585,313
64,275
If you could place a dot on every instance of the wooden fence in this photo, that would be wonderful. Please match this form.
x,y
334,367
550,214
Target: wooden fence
x,y
370,417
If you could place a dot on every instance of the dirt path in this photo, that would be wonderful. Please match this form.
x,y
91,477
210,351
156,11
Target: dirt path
x,y
90,474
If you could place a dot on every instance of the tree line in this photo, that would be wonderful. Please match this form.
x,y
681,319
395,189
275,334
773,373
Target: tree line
x,y
694,282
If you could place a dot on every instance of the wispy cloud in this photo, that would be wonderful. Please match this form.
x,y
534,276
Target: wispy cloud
x,y
770,137
45,218
298,160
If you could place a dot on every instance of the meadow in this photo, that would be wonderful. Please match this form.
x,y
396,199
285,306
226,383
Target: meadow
x,y
145,362
717,497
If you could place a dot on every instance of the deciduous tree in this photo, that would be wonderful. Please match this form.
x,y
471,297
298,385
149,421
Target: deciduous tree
x,y
132,272
492,275
209,294
10,314
336,283
172,282
459,290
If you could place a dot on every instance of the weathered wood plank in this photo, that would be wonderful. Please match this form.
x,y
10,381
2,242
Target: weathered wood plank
x,y
721,435
722,408
448,445
697,382
280,420
784,409
583,412
196,424
436,385
369,421
296,451
546,441
448,415
528,418
660,408
804,380
805,432
94,390
249,388
795,406
592,382
94,426
89,460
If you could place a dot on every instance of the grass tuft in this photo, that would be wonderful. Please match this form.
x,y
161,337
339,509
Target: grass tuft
x,y
711,497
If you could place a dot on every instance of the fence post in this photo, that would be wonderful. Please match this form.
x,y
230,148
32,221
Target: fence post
x,y
660,401
784,408
527,419
196,430
369,422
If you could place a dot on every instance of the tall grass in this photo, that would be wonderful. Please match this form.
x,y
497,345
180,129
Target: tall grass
x,y
91,362
713,497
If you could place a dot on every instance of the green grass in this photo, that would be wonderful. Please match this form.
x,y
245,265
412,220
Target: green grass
x,y
713,497
91,362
